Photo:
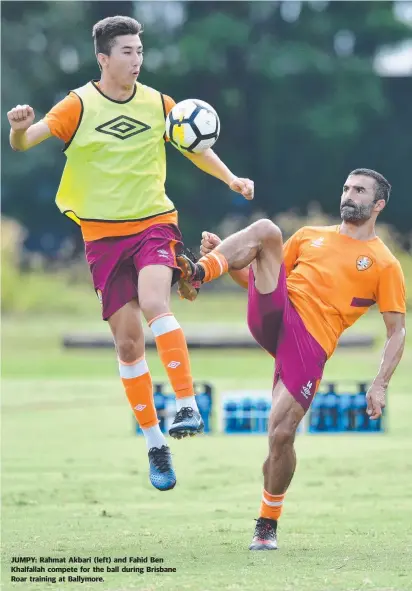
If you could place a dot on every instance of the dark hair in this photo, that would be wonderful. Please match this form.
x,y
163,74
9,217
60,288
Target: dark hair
x,y
106,31
383,188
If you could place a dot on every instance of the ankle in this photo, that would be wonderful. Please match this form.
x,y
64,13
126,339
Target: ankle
x,y
186,402
199,272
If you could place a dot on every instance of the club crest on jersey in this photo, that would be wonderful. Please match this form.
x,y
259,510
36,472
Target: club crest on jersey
x,y
363,263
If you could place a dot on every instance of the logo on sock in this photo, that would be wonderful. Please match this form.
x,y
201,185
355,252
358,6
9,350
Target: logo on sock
x,y
140,407
173,364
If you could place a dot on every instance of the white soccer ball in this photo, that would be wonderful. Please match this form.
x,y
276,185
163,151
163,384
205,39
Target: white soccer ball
x,y
193,126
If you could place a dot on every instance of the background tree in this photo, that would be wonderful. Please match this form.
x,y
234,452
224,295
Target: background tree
x,y
294,84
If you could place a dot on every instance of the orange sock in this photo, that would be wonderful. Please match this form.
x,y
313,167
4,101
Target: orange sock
x,y
137,383
214,264
172,349
271,506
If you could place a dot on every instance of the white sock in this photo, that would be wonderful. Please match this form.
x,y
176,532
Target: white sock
x,y
154,437
186,402
164,324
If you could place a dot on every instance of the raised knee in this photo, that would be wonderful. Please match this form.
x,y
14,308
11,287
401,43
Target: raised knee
x,y
267,231
153,304
127,349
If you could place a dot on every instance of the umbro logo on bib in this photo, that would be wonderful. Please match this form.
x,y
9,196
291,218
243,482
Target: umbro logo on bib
x,y
123,127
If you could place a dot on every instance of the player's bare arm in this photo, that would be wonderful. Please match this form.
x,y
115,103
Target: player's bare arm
x,y
24,134
209,162
392,354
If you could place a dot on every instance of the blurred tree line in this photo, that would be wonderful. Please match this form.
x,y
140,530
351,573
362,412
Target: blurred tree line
x,y
293,82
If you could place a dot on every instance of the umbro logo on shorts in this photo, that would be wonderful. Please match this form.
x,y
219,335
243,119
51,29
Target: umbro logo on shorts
x,y
140,407
123,127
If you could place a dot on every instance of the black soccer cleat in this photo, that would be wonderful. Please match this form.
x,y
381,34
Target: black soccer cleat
x,y
187,422
190,281
265,535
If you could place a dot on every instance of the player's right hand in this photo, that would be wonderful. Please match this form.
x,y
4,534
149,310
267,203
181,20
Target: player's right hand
x,y
20,117
209,242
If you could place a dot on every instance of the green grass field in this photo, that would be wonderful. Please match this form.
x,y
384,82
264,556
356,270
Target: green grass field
x,y
74,475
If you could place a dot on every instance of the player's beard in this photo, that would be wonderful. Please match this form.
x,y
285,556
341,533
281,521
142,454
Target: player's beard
x,y
356,214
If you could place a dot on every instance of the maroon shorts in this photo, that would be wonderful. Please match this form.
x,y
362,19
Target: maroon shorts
x,y
115,262
278,328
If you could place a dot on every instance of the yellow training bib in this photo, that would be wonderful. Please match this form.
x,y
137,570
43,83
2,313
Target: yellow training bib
x,y
116,161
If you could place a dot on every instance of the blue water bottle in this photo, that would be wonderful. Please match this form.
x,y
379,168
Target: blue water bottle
x,y
247,415
375,425
230,420
204,402
316,414
331,405
322,413
160,406
262,415
345,410
361,418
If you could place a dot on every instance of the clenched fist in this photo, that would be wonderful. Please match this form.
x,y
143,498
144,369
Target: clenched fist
x,y
20,117
245,187
209,242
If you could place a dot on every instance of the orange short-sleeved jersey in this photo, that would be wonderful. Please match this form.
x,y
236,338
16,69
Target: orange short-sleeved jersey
x,y
63,120
333,279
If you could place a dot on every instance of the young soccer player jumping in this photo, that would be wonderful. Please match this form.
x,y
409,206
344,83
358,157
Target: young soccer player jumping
x,y
113,187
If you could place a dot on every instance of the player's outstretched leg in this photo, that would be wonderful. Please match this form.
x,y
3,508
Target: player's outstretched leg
x,y
254,243
279,467
154,294
134,372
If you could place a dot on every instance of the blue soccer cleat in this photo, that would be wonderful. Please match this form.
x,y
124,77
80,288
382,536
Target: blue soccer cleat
x,y
162,474
187,422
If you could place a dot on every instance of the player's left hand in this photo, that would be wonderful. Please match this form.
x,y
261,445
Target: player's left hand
x,y
209,242
376,399
245,187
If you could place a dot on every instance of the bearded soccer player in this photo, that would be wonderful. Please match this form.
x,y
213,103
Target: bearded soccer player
x,y
302,295
113,187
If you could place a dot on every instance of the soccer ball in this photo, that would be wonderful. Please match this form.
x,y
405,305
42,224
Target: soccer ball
x,y
193,126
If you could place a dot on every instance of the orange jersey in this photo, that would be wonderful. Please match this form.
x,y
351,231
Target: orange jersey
x,y
63,120
333,279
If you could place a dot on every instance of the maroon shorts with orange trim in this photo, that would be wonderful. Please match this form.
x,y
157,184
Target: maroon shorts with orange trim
x,y
277,327
115,263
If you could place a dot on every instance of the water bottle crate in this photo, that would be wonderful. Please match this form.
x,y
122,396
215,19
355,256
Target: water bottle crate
x,y
336,408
